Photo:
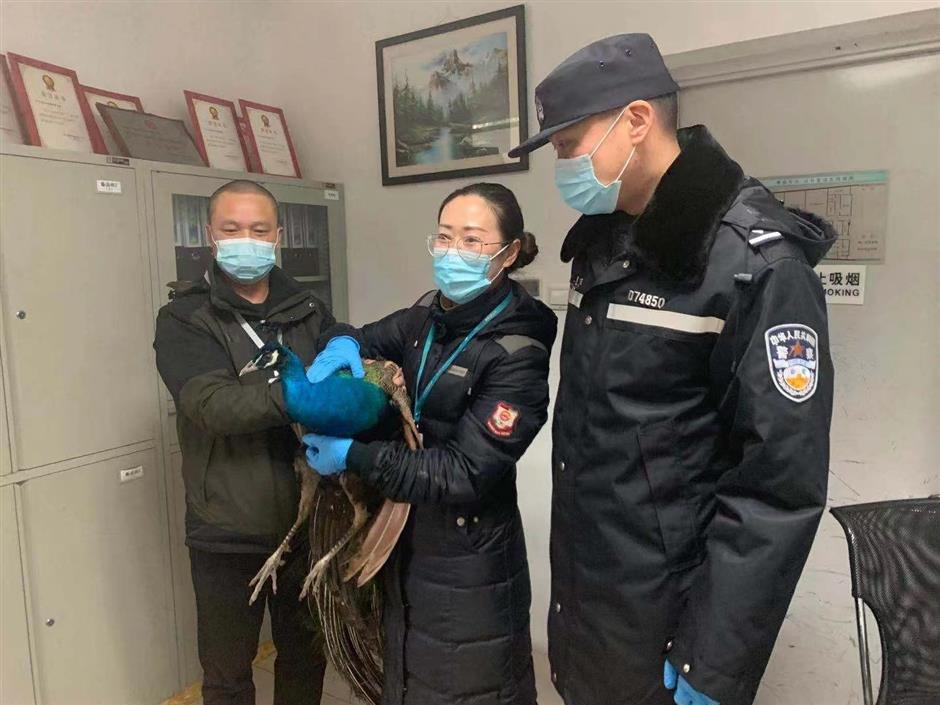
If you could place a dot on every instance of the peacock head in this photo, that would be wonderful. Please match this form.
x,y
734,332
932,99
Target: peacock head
x,y
274,356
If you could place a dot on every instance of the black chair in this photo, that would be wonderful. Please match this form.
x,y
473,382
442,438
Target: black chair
x,y
894,554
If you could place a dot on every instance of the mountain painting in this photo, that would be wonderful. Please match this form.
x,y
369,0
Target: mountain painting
x,y
453,105
452,98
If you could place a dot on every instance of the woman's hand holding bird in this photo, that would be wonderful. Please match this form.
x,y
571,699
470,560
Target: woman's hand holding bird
x,y
341,353
326,455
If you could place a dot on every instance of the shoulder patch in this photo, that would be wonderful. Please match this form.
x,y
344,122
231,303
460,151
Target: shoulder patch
x,y
514,343
502,422
792,354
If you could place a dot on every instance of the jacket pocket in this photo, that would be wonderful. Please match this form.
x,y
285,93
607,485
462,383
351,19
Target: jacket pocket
x,y
669,479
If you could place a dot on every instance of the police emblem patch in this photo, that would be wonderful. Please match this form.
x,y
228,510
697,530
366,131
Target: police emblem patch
x,y
792,354
502,422
539,111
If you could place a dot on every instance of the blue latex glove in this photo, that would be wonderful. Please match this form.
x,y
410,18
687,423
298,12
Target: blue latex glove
x,y
685,693
341,353
326,455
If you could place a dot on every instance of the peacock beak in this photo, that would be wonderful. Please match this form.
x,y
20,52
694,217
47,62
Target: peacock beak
x,y
264,361
252,366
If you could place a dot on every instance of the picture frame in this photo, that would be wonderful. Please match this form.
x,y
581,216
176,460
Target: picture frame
x,y
142,135
11,126
215,129
270,139
51,107
92,96
452,99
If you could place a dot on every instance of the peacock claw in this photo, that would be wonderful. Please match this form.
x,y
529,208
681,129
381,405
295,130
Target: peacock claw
x,y
268,570
315,577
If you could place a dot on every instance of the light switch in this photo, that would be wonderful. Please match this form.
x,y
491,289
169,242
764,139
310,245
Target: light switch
x,y
558,297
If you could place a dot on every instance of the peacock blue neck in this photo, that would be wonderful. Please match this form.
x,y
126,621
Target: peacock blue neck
x,y
339,406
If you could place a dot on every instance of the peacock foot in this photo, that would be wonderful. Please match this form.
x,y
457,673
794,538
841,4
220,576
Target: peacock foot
x,y
315,576
268,570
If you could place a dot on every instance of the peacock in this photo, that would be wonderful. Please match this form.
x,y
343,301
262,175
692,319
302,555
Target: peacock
x,y
339,510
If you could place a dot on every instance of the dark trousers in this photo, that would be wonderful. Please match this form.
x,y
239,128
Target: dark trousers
x,y
229,629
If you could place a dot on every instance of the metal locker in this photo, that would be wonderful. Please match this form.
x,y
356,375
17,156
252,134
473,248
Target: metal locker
x,y
76,315
16,681
99,583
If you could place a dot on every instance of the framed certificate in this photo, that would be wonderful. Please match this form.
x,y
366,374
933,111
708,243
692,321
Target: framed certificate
x,y
215,127
145,136
115,100
11,130
267,129
54,113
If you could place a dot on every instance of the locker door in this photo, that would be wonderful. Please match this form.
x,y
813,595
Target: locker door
x,y
99,576
75,310
180,204
16,675
313,248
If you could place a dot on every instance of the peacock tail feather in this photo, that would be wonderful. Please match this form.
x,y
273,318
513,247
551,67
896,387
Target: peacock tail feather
x,y
350,616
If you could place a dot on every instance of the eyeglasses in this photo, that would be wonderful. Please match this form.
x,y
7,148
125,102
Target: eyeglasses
x,y
470,247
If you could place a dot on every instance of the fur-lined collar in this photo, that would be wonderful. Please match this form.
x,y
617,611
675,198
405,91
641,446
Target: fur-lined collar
x,y
674,234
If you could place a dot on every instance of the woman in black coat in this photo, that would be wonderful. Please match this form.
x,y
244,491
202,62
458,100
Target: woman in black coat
x,y
475,357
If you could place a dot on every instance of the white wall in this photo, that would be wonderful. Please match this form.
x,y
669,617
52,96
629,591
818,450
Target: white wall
x,y
316,59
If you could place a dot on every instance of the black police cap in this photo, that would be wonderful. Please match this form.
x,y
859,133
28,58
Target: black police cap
x,y
608,74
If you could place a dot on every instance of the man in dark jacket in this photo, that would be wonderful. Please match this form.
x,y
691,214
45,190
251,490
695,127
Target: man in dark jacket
x,y
238,448
691,428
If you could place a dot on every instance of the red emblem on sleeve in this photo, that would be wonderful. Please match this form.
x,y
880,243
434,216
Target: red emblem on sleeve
x,y
502,422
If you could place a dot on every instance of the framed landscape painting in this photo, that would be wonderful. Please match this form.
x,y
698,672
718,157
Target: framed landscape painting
x,y
452,99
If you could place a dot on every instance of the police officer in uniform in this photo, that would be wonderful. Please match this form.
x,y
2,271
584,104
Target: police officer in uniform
x,y
691,427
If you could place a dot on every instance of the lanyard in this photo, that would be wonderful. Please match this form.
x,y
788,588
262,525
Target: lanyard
x,y
423,396
255,338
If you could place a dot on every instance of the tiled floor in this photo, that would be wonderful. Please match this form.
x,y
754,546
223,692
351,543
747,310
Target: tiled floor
x,y
335,690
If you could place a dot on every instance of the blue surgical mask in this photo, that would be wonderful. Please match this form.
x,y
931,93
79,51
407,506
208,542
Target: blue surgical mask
x,y
462,281
245,259
578,184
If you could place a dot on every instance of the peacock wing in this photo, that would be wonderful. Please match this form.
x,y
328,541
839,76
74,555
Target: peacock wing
x,y
380,540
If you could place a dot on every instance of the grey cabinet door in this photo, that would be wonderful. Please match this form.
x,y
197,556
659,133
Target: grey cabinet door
x,y
16,676
313,249
76,315
99,582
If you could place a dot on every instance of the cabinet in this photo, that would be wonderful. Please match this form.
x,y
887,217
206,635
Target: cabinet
x,y
16,680
76,316
97,602
99,573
